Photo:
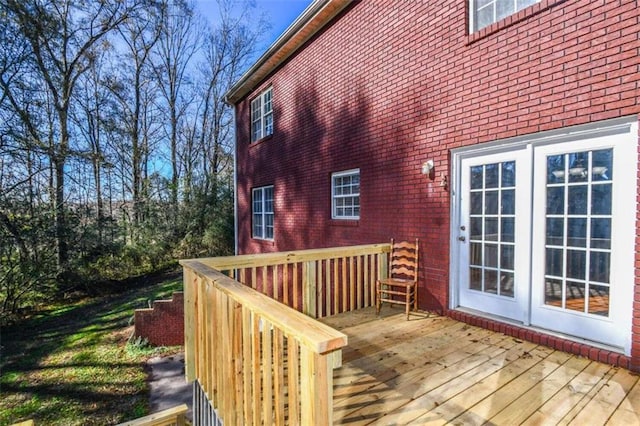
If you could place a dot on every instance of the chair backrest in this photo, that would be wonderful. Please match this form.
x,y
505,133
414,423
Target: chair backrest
x,y
403,260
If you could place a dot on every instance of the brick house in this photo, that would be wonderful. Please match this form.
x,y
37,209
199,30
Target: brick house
x,y
503,134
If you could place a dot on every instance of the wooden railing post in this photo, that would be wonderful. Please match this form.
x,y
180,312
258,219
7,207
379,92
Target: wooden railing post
x,y
309,285
189,326
317,386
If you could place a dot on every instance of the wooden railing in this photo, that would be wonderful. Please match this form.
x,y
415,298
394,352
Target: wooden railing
x,y
319,282
258,360
175,416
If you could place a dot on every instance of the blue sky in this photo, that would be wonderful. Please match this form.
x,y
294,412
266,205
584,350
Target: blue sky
x,y
280,13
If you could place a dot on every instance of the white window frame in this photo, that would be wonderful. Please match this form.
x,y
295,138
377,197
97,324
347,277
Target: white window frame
x,y
262,115
352,197
476,5
259,217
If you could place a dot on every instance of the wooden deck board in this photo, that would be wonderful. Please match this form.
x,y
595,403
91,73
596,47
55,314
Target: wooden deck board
x,y
434,370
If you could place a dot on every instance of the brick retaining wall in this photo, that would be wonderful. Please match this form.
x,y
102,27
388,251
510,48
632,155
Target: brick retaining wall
x,y
162,325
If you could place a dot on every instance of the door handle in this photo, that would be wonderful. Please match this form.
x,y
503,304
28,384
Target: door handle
x,y
462,238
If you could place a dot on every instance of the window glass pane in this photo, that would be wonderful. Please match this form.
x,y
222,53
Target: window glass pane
x,y
491,202
576,264
521,4
475,255
554,262
553,292
475,279
555,231
601,233
578,166
577,203
575,299
600,266
491,175
256,119
599,300
504,8
577,232
602,162
508,229
491,281
507,257
555,200
257,200
601,199
267,108
476,177
476,203
506,284
268,125
256,131
257,225
508,174
555,169
268,226
491,229
484,17
508,201
476,228
491,255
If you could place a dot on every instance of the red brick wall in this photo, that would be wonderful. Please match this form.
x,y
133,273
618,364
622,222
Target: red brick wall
x,y
391,84
162,325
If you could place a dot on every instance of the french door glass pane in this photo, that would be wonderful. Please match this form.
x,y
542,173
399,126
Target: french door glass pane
x,y
599,300
506,284
555,231
578,231
601,233
555,200
492,198
601,199
507,233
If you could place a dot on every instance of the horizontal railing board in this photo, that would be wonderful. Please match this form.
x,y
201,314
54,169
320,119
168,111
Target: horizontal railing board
x,y
278,258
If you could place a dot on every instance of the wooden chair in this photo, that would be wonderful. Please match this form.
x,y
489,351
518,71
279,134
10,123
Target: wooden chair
x,y
401,286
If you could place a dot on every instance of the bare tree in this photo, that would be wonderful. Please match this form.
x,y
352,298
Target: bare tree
x,y
59,40
178,43
133,88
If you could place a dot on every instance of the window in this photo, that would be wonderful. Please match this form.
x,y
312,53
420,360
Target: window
x,y
262,116
345,194
262,201
578,239
486,12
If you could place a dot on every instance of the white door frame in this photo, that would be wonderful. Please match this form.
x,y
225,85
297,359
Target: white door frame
x,y
624,125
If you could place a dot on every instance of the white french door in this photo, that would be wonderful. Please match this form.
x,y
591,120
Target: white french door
x,y
544,233
584,214
493,240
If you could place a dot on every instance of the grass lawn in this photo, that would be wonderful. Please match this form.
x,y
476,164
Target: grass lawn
x,y
71,364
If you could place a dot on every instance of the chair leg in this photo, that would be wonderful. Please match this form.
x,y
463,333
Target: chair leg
x,y
408,301
377,298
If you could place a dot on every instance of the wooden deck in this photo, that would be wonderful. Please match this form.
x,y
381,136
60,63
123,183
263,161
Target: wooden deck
x,y
435,370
